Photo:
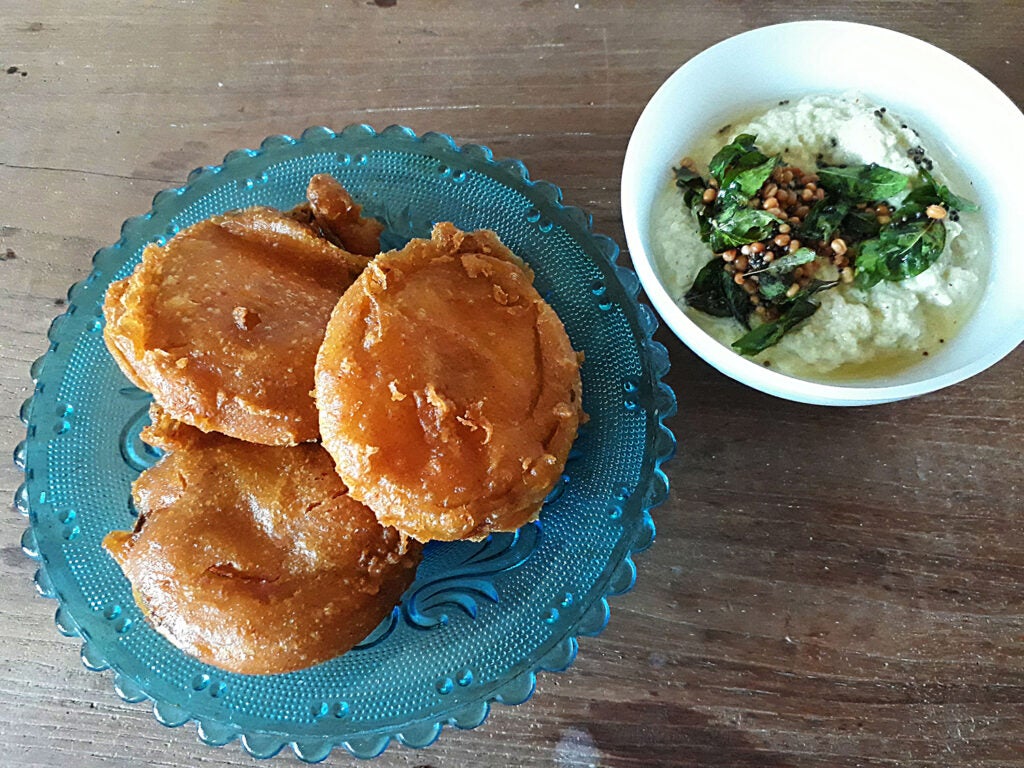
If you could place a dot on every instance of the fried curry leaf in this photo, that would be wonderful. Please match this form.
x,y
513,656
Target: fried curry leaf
x,y
727,155
739,301
733,224
862,183
740,166
706,293
714,292
729,221
860,225
932,192
955,202
789,262
770,333
772,287
824,218
772,283
793,312
903,249
692,184
870,268
750,179
693,187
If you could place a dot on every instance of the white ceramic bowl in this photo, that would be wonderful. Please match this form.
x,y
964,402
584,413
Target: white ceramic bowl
x,y
950,101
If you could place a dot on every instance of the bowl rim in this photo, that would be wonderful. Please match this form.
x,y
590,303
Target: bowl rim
x,y
732,363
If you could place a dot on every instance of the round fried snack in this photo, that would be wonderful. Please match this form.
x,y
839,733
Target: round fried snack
x,y
448,391
222,324
253,558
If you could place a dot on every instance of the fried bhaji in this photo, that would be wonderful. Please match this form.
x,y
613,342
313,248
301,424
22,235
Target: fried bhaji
x,y
449,394
335,216
222,324
446,390
340,218
254,558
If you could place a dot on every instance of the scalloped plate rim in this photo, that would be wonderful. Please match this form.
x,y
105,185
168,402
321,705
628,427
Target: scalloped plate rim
x,y
573,219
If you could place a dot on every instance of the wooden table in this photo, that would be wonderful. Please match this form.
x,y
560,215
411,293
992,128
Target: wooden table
x,y
829,587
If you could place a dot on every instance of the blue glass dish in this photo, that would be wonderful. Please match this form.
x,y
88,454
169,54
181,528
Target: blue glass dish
x,y
481,618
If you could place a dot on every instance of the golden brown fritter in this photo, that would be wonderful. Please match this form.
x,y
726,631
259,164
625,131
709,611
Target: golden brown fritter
x,y
254,558
169,434
340,218
222,324
448,391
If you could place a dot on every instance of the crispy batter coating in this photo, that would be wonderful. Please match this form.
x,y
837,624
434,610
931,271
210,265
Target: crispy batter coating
x,y
169,434
340,218
448,391
223,323
253,558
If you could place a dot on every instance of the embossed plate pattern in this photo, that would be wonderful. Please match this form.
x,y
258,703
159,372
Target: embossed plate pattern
x,y
481,618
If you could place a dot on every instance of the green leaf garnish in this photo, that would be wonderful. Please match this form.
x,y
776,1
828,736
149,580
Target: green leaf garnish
x,y
769,334
871,267
901,250
738,226
692,184
794,312
906,246
931,192
862,183
748,176
860,225
714,292
693,187
732,223
740,166
817,286
772,287
824,219
727,155
837,217
787,263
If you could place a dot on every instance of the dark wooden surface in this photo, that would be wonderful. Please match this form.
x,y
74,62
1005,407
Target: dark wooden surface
x,y
829,587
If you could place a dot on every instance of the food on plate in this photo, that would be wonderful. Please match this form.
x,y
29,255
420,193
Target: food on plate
x,y
823,240
445,386
340,218
448,392
254,558
222,324
168,434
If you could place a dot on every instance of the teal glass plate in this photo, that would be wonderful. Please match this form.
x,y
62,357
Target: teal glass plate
x,y
481,619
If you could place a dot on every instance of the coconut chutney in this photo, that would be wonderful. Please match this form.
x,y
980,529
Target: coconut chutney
x,y
857,332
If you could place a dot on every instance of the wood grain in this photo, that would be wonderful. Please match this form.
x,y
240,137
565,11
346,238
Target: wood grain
x,y
829,587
